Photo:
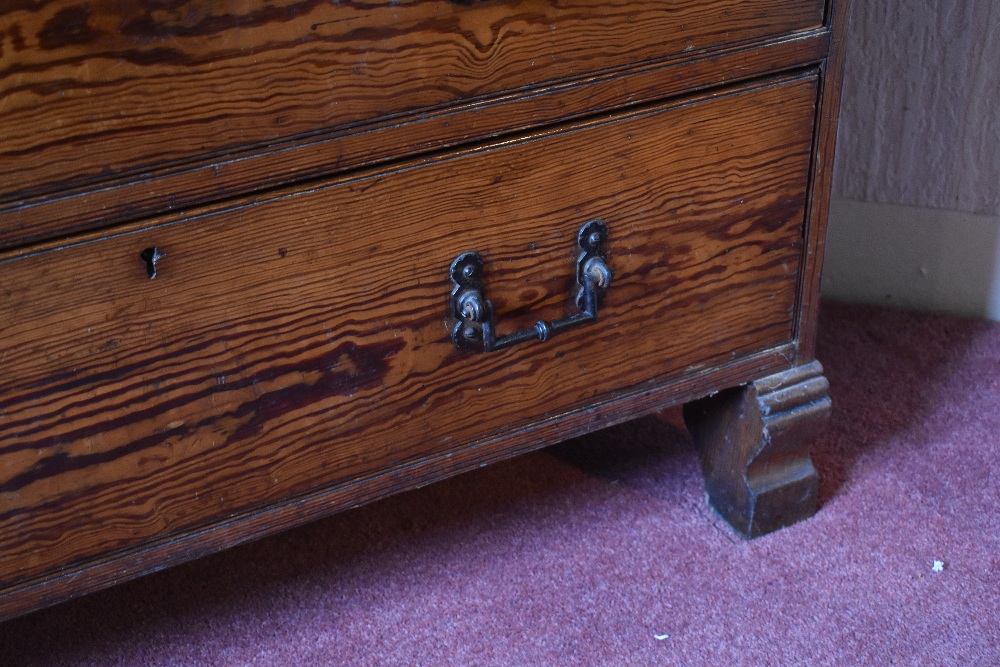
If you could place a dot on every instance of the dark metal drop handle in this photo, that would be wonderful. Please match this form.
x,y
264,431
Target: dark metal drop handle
x,y
475,327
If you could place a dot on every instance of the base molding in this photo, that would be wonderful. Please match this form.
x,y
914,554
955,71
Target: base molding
x,y
912,257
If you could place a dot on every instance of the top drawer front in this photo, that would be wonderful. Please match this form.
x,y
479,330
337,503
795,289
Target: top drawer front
x,y
303,341
91,91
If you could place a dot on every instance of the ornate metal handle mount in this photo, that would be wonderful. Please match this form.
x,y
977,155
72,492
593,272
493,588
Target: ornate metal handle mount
x,y
476,328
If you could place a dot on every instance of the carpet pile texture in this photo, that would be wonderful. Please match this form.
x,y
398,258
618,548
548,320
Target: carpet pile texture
x,y
601,550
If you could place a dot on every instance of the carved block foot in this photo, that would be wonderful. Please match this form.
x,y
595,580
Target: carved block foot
x,y
754,447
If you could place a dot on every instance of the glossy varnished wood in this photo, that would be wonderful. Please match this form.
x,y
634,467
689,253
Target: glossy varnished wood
x,y
301,342
126,197
102,90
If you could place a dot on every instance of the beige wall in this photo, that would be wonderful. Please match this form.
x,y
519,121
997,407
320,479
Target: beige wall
x,y
916,216
920,118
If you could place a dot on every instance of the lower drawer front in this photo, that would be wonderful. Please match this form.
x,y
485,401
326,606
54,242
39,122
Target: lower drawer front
x,y
304,341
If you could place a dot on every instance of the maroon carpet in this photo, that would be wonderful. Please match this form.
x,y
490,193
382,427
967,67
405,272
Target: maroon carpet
x,y
602,552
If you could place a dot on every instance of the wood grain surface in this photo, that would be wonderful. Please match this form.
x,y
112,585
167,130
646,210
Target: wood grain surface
x,y
116,567
754,447
123,198
93,89
301,341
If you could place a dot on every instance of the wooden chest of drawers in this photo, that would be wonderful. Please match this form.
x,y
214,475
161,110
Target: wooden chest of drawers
x,y
263,261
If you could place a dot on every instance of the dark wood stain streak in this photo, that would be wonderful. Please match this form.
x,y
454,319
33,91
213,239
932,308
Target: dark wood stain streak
x,y
67,28
16,38
58,463
138,373
83,378
147,28
194,341
367,368
164,360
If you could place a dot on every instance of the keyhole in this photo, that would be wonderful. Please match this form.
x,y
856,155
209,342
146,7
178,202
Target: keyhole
x,y
151,256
